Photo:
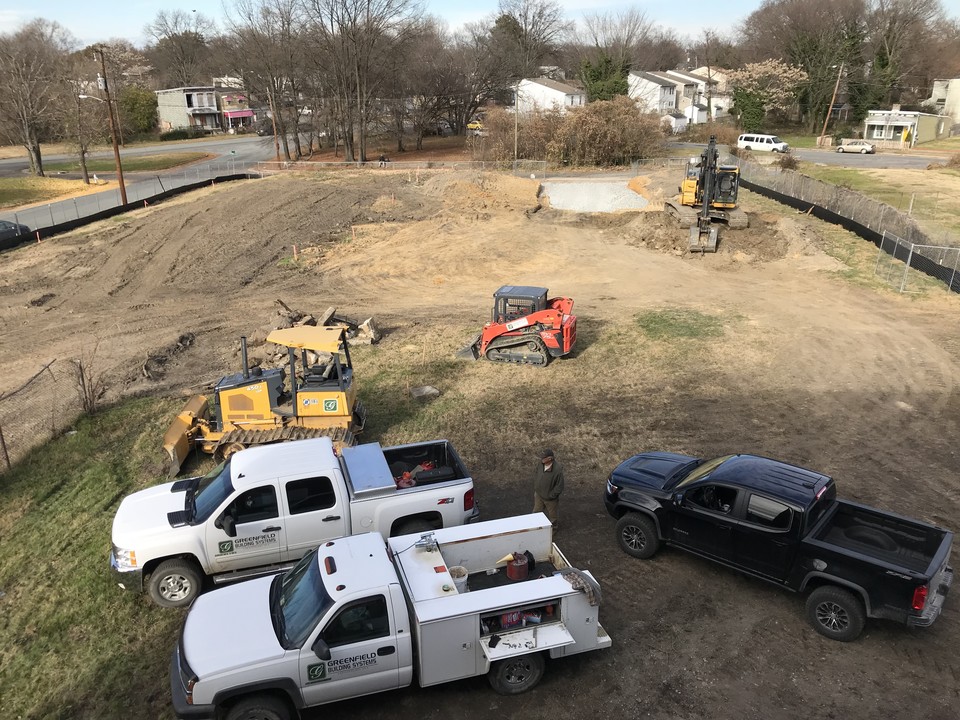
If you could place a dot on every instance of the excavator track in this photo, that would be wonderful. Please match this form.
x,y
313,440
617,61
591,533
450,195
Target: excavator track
x,y
238,439
521,350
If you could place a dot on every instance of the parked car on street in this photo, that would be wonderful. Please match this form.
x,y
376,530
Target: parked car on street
x,y
856,146
10,230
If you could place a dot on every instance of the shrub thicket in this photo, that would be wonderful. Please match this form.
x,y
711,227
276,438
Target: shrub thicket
x,y
605,132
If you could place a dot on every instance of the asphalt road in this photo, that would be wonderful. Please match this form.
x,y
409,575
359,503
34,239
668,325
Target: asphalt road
x,y
910,160
233,155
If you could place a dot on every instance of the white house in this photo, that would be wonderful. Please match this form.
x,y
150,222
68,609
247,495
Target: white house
x,y
945,99
188,107
721,94
692,89
546,94
676,120
655,93
899,128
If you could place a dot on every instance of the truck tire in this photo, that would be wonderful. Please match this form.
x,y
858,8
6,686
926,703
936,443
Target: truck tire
x,y
259,707
517,674
637,535
835,613
174,583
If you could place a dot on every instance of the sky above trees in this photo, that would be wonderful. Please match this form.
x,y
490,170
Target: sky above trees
x,y
99,20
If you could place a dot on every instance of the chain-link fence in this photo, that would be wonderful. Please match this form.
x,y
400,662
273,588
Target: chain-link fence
x,y
38,410
892,230
907,266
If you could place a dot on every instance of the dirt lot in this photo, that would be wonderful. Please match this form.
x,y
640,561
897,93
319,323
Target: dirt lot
x,y
812,368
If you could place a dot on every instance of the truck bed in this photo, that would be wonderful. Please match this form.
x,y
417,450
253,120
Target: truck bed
x,y
374,471
886,537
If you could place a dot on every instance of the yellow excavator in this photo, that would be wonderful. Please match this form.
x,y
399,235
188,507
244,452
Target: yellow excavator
x,y
708,192
258,406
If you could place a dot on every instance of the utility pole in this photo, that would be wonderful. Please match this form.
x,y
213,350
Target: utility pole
x,y
113,126
830,107
516,124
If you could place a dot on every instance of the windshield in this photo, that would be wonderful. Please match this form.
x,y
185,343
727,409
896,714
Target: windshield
x,y
211,491
300,603
776,139
702,470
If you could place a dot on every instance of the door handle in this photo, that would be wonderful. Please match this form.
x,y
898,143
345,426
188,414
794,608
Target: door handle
x,y
388,650
725,527
275,528
328,518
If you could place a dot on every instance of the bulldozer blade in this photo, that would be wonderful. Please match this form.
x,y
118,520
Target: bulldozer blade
x,y
470,351
178,440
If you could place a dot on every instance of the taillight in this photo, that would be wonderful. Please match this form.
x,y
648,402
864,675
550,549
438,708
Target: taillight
x,y
920,597
468,500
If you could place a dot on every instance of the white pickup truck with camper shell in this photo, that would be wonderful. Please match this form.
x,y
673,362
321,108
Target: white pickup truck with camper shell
x,y
351,619
264,508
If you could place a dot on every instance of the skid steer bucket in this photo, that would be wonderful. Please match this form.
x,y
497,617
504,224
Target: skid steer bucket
x,y
471,351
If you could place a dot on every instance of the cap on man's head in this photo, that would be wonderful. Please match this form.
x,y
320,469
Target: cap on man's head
x,y
547,453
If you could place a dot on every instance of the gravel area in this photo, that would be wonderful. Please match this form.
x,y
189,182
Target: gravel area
x,y
595,196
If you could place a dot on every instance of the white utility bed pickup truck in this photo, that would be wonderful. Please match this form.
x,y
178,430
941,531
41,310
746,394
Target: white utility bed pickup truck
x,y
351,619
263,509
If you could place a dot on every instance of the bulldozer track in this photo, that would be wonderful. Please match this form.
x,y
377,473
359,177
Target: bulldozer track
x,y
340,436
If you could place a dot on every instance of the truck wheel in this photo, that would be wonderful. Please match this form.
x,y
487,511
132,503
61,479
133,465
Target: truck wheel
x,y
835,613
517,674
174,583
259,707
637,536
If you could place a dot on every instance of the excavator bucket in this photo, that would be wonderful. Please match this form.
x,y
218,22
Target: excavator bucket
x,y
703,240
178,440
471,351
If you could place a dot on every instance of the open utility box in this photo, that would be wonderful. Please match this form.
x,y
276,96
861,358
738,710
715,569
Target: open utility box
x,y
554,610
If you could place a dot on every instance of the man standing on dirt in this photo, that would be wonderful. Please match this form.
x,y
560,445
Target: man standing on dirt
x,y
547,487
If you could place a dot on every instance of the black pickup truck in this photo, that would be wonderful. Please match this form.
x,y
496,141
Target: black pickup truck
x,y
784,524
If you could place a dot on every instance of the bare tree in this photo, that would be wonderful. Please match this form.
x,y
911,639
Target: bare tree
x,y
270,50
180,45
32,70
351,37
617,35
534,28
897,29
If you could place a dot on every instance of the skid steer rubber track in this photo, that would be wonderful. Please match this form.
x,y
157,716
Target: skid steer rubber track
x,y
519,350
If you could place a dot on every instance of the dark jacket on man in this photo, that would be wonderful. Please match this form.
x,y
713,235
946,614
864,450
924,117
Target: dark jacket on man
x,y
548,484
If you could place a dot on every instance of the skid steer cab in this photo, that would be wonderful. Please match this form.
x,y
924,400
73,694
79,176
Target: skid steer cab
x,y
526,328
313,396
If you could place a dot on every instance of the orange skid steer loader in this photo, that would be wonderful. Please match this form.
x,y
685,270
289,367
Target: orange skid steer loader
x,y
526,328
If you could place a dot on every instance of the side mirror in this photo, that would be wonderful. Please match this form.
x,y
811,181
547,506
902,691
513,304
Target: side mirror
x,y
678,498
228,525
321,649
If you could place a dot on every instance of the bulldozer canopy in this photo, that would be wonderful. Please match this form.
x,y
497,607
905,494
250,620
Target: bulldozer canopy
x,y
310,337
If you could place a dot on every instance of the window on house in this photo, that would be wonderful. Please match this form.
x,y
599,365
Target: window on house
x,y
189,97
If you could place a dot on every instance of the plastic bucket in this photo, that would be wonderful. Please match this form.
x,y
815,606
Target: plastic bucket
x,y
459,575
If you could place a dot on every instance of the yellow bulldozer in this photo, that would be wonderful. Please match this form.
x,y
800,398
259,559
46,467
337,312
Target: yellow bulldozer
x,y
258,406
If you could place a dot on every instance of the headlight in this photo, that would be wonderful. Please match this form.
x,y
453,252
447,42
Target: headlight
x,y
126,559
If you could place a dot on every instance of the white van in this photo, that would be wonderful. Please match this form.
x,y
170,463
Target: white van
x,y
765,143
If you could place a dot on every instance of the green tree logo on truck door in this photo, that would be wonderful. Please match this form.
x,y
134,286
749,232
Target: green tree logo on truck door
x,y
317,673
